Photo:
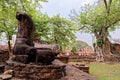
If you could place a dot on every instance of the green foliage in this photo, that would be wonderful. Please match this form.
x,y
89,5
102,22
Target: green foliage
x,y
93,18
8,8
94,44
41,23
81,44
54,30
100,19
7,20
100,42
61,31
78,45
74,50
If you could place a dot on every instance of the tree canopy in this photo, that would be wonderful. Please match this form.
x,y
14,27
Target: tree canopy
x,y
94,17
8,9
99,19
52,29
55,30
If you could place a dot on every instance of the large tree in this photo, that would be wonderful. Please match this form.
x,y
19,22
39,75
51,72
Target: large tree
x,y
62,31
7,20
99,20
55,30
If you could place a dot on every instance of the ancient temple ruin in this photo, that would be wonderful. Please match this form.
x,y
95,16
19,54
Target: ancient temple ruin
x,y
29,62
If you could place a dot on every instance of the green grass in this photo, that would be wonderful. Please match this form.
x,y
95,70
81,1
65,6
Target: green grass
x,y
105,71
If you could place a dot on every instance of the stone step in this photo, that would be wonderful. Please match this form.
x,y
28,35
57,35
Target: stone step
x,y
82,67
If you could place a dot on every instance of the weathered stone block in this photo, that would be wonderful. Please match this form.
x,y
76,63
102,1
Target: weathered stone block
x,y
4,55
2,68
20,58
45,56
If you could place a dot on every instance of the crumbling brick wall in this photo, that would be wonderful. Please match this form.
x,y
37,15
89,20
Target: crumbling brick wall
x,y
4,55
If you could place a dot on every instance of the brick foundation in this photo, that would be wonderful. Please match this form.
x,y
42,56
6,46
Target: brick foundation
x,y
36,72
77,58
64,59
4,55
82,67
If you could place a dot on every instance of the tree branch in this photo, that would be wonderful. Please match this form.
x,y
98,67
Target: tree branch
x,y
105,2
23,5
112,23
107,6
82,27
96,34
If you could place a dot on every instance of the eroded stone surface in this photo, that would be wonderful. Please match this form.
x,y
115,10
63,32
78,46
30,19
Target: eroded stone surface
x,y
4,55
6,75
2,68
36,72
24,43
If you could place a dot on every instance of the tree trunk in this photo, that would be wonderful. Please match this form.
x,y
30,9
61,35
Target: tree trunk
x,y
99,54
105,48
9,46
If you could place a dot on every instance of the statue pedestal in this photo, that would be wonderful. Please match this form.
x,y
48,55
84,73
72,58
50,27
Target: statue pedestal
x,y
36,72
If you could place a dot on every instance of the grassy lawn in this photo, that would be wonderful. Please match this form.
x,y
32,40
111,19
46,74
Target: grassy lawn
x,y
105,71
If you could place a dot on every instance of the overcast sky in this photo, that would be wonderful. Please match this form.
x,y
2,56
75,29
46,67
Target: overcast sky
x,y
64,7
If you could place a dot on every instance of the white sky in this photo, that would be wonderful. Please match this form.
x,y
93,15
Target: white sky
x,y
64,7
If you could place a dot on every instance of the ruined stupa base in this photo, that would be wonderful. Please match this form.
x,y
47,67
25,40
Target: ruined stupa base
x,y
36,72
